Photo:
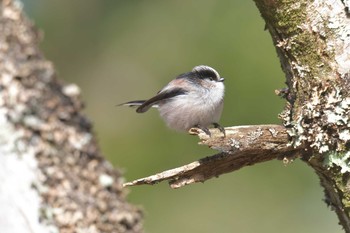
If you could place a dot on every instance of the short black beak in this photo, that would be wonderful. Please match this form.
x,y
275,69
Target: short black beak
x,y
221,79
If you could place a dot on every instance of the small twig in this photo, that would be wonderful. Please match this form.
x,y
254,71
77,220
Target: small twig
x,y
242,146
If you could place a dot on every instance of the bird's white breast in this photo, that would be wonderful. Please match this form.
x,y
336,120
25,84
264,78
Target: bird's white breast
x,y
201,106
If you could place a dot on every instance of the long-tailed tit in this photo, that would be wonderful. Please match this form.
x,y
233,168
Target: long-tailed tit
x,y
192,99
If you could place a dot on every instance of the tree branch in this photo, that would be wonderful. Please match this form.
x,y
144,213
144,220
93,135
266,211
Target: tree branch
x,y
242,146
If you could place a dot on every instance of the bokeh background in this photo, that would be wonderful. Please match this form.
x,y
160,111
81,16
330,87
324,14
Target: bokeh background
x,y
123,50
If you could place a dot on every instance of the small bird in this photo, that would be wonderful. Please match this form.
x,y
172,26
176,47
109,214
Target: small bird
x,y
192,99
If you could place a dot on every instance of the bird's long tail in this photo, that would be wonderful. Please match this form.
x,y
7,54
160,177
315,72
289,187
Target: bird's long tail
x,y
134,103
139,105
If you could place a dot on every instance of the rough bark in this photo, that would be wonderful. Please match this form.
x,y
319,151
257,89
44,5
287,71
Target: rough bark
x,y
242,146
312,39
53,177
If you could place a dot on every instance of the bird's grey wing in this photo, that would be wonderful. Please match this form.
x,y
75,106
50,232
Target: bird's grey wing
x,y
162,95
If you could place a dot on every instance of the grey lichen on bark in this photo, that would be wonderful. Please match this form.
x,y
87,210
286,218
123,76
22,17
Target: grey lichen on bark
x,y
312,39
54,176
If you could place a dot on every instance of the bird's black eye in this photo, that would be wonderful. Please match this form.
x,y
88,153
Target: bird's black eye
x,y
211,78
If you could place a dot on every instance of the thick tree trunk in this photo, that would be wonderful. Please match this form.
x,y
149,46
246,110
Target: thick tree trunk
x,y
312,39
52,175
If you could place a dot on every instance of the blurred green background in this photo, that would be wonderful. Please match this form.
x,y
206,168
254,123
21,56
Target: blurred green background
x,y
124,50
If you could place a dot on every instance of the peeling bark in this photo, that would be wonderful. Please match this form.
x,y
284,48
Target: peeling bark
x,y
312,39
243,146
52,175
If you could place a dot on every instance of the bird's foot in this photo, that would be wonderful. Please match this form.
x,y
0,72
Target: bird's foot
x,y
204,129
222,129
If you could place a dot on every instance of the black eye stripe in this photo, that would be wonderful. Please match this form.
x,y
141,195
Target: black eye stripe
x,y
207,74
196,76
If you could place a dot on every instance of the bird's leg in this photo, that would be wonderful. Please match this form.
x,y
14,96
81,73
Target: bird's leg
x,y
222,129
205,129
